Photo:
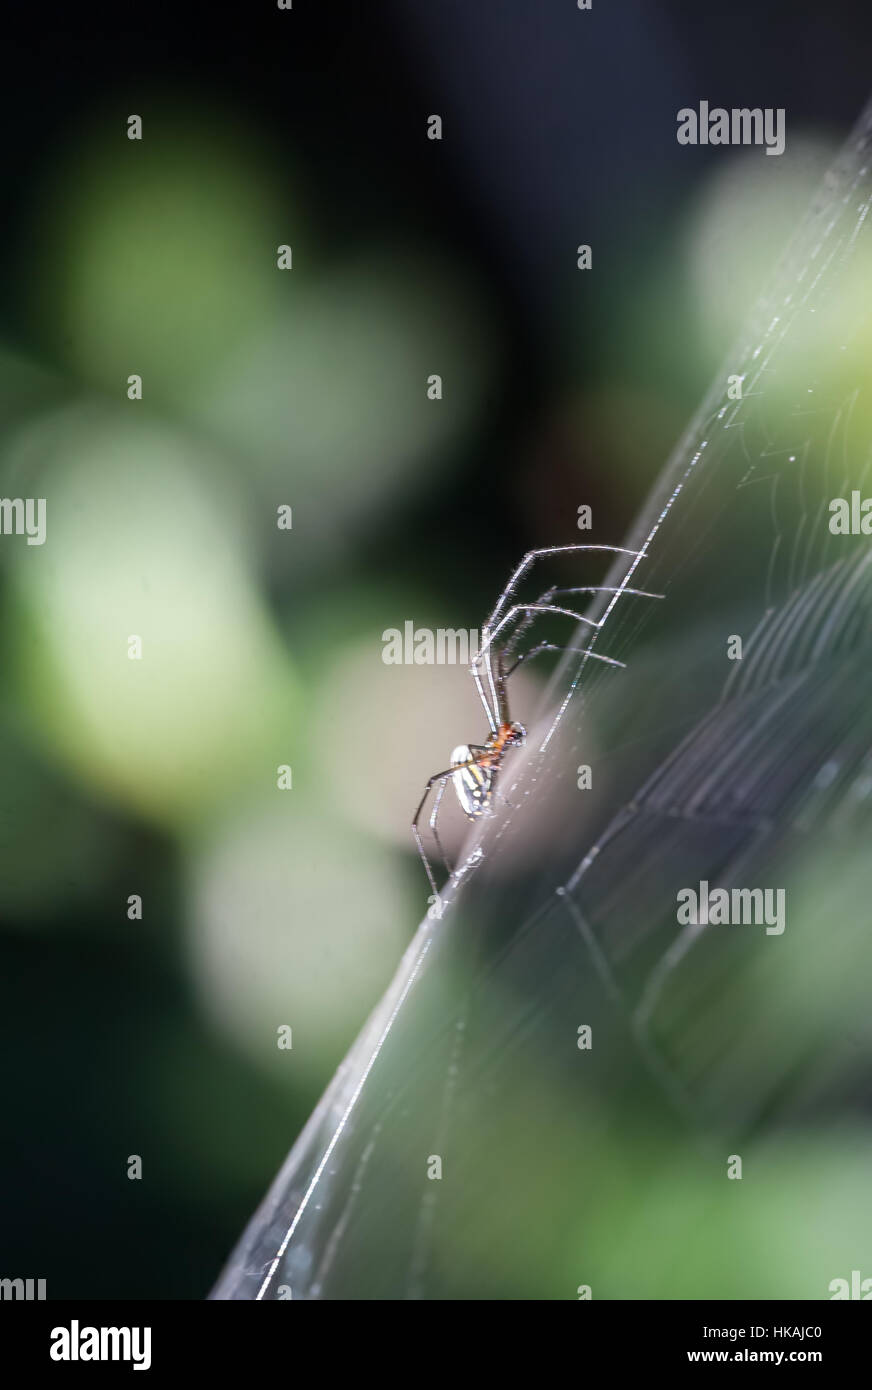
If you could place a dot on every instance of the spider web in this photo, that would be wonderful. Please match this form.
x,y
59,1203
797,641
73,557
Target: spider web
x,y
738,772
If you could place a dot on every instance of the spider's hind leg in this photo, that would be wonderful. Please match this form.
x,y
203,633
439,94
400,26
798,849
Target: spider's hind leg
x,y
434,814
440,777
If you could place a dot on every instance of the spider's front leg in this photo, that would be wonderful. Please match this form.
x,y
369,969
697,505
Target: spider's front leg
x,y
543,553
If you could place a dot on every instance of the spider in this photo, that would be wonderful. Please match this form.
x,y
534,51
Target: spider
x,y
475,766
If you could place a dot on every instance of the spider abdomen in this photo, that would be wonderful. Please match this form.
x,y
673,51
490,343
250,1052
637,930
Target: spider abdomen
x,y
472,782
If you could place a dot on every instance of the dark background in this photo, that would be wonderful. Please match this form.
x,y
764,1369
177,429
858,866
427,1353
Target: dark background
x,y
559,129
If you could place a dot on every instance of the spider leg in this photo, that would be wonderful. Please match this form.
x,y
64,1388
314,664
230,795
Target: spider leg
x,y
489,630
442,778
602,589
491,680
437,801
553,647
437,777
532,608
533,555
548,597
488,709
